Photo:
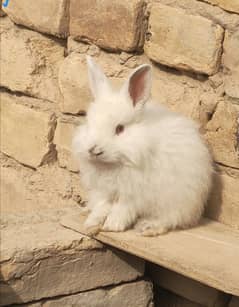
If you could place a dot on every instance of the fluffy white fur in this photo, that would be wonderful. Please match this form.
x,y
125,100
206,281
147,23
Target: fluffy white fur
x,y
155,175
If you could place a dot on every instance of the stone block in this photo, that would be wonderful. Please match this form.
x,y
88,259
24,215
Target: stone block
x,y
45,16
231,63
138,294
228,5
26,133
29,62
66,127
26,190
110,24
222,134
41,259
73,82
183,41
223,203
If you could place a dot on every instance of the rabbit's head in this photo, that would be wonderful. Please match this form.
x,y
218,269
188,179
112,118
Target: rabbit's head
x,y
113,130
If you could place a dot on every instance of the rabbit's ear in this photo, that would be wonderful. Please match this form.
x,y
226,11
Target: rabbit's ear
x,y
138,86
98,81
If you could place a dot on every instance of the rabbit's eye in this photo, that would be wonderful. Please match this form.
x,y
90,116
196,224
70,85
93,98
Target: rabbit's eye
x,y
119,129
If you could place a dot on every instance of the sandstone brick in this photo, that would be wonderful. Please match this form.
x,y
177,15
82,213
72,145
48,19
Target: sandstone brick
x,y
132,294
26,190
109,24
29,62
231,63
229,5
41,259
26,133
73,79
45,16
73,82
223,203
66,127
222,134
183,41
214,13
187,288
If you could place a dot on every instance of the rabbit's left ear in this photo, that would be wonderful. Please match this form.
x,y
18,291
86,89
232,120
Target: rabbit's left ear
x,y
138,86
97,79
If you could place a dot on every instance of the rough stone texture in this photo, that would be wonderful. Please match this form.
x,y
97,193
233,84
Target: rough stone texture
x,y
223,204
73,76
46,16
73,82
229,5
234,301
214,13
41,259
222,134
26,133
198,48
25,190
114,25
66,127
187,288
138,294
231,63
29,62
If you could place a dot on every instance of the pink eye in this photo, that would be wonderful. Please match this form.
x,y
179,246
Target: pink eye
x,y
119,129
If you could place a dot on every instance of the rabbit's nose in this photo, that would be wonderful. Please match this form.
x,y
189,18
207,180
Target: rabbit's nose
x,y
95,151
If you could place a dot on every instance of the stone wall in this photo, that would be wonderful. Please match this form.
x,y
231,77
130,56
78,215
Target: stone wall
x,y
192,46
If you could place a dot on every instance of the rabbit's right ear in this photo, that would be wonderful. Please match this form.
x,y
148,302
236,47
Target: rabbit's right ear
x,y
98,81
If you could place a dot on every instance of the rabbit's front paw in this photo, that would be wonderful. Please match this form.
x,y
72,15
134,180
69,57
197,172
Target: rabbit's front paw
x,y
115,223
94,220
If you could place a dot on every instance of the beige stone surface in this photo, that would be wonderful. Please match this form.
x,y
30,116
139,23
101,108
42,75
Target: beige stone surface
x,y
114,25
23,189
183,41
138,294
65,130
188,252
29,62
222,134
26,133
223,204
73,82
41,259
231,63
186,288
73,77
229,5
215,13
45,16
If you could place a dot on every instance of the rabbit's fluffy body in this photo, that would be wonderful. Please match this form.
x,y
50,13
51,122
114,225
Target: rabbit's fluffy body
x,y
156,174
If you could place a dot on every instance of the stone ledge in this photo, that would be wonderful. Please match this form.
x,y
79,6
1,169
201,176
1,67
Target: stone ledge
x,y
208,253
41,259
138,294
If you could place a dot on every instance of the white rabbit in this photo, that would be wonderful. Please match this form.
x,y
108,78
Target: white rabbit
x,y
142,164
